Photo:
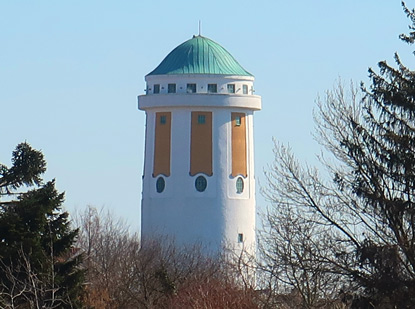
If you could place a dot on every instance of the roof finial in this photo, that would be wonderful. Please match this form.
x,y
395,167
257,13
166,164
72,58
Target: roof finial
x,y
200,28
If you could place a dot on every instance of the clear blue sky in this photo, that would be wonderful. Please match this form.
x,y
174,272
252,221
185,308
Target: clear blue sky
x,y
70,72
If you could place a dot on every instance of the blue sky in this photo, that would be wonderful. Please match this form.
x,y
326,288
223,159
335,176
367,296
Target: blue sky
x,y
70,72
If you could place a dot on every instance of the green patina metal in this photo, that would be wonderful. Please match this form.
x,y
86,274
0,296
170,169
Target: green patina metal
x,y
199,55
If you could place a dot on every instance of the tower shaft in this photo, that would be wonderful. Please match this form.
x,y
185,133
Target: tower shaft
x,y
198,180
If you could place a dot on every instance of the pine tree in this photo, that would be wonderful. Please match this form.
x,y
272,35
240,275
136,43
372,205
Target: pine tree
x,y
39,266
384,179
359,226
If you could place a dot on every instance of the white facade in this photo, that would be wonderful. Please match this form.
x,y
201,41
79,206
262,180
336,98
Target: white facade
x,y
219,216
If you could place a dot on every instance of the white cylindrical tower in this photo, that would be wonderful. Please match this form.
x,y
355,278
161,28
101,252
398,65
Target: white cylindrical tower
x,y
198,179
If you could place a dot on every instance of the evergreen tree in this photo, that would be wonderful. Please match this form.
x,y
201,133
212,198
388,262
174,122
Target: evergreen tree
x,y
39,266
363,222
384,179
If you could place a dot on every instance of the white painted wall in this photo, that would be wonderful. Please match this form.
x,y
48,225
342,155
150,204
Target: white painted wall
x,y
216,216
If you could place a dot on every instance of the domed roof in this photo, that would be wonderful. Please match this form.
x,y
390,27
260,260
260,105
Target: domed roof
x,y
199,55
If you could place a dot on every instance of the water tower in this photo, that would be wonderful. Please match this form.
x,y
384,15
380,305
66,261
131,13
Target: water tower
x,y
198,179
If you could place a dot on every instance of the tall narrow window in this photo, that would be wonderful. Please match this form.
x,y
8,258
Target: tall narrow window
x,y
245,89
171,88
231,88
191,88
212,88
239,156
162,141
240,237
201,143
156,88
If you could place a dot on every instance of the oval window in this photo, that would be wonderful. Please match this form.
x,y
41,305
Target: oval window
x,y
160,184
201,183
239,185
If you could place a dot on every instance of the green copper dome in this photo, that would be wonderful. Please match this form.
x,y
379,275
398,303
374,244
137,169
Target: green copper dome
x,y
199,55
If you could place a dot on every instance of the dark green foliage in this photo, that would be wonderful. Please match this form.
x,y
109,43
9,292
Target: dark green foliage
x,y
411,15
360,224
27,166
384,168
39,265
381,154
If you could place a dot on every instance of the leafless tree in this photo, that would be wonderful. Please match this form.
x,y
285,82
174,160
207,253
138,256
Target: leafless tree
x,y
346,228
107,245
309,234
24,288
123,273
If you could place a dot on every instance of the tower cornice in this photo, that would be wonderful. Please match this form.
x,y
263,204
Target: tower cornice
x,y
252,102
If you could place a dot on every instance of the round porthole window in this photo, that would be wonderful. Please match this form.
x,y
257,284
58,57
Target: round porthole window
x,y
239,185
160,184
201,183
